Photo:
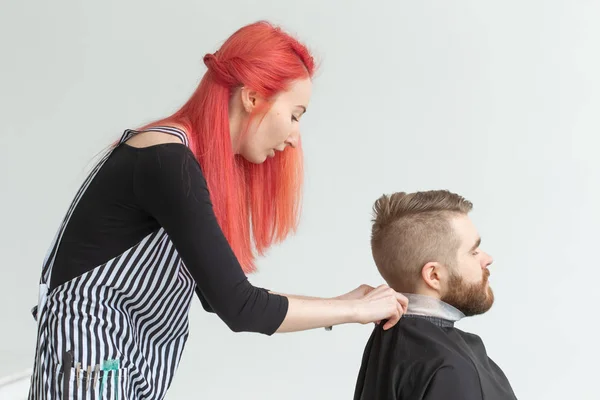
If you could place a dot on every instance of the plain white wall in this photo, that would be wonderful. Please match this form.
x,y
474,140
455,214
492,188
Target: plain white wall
x,y
497,101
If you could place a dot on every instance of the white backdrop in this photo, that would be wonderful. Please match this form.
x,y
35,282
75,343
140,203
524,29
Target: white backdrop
x,y
497,101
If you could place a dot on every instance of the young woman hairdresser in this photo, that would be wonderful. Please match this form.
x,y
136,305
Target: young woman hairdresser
x,y
175,208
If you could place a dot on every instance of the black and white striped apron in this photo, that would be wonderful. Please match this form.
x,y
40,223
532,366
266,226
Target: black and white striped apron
x,y
134,309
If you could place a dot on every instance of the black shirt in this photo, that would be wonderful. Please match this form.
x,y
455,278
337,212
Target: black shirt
x,y
428,359
138,191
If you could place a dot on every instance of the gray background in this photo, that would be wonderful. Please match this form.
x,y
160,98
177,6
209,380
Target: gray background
x,y
497,101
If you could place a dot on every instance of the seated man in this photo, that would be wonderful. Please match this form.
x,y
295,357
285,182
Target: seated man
x,y
425,246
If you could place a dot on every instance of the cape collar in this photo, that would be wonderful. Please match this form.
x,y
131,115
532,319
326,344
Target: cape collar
x,y
427,306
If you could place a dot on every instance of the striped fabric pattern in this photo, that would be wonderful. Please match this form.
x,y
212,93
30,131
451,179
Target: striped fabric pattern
x,y
133,309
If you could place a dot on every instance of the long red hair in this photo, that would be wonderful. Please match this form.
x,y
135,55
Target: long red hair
x,y
256,205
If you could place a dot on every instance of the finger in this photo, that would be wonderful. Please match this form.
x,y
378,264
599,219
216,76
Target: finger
x,y
382,293
365,289
400,311
373,294
392,320
403,300
391,323
380,289
360,291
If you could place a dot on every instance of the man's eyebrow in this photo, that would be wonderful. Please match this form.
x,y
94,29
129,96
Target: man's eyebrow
x,y
476,245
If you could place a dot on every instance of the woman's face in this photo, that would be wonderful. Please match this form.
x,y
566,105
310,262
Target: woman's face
x,y
279,127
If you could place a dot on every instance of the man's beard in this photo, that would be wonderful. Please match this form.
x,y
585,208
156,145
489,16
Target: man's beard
x,y
470,298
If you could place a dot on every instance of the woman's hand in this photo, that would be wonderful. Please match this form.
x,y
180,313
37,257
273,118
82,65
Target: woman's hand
x,y
357,293
375,305
363,305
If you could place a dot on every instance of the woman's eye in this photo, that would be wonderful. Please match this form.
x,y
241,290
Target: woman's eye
x,y
294,118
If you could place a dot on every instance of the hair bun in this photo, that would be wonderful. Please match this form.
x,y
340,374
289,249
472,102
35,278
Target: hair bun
x,y
218,70
209,60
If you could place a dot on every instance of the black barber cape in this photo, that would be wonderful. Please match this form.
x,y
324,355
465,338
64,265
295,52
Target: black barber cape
x,y
427,358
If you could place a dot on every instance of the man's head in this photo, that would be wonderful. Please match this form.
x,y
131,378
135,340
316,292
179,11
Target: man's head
x,y
425,243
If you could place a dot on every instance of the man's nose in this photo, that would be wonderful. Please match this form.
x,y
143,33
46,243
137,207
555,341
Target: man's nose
x,y
489,260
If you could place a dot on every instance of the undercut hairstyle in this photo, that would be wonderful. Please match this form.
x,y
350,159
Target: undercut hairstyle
x,y
411,229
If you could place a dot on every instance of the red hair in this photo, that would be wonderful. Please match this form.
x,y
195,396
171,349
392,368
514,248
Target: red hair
x,y
256,205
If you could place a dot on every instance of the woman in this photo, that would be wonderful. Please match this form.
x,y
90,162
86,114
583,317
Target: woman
x,y
174,208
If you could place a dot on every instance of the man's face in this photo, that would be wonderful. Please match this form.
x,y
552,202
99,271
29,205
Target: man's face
x,y
467,287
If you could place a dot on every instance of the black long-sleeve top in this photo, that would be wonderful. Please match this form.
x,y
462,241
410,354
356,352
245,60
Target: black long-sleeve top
x,y
140,190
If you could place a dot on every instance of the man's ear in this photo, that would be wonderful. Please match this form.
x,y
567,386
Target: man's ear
x,y
432,275
249,99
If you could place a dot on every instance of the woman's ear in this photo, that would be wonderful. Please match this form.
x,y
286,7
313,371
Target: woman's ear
x,y
249,99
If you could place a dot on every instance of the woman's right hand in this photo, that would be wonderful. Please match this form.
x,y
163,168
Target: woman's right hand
x,y
381,303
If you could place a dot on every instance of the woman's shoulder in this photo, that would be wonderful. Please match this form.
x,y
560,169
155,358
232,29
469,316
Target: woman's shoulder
x,y
165,168
156,144
162,156
157,136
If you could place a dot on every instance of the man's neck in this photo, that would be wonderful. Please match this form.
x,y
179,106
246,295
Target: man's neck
x,y
428,306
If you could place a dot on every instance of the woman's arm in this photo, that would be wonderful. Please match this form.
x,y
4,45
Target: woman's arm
x,y
311,313
298,296
342,308
355,294
362,305
170,186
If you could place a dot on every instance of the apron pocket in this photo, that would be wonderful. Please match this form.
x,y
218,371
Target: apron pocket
x,y
104,385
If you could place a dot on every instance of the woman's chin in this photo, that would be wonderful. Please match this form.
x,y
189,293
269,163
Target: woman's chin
x,y
255,159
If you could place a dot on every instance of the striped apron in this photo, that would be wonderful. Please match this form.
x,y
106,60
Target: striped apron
x,y
118,330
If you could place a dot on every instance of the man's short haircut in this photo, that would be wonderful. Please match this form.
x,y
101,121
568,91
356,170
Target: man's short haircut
x,y
411,229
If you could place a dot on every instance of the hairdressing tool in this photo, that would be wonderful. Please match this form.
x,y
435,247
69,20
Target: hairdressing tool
x,y
117,379
103,382
77,372
87,380
96,376
107,366
67,364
